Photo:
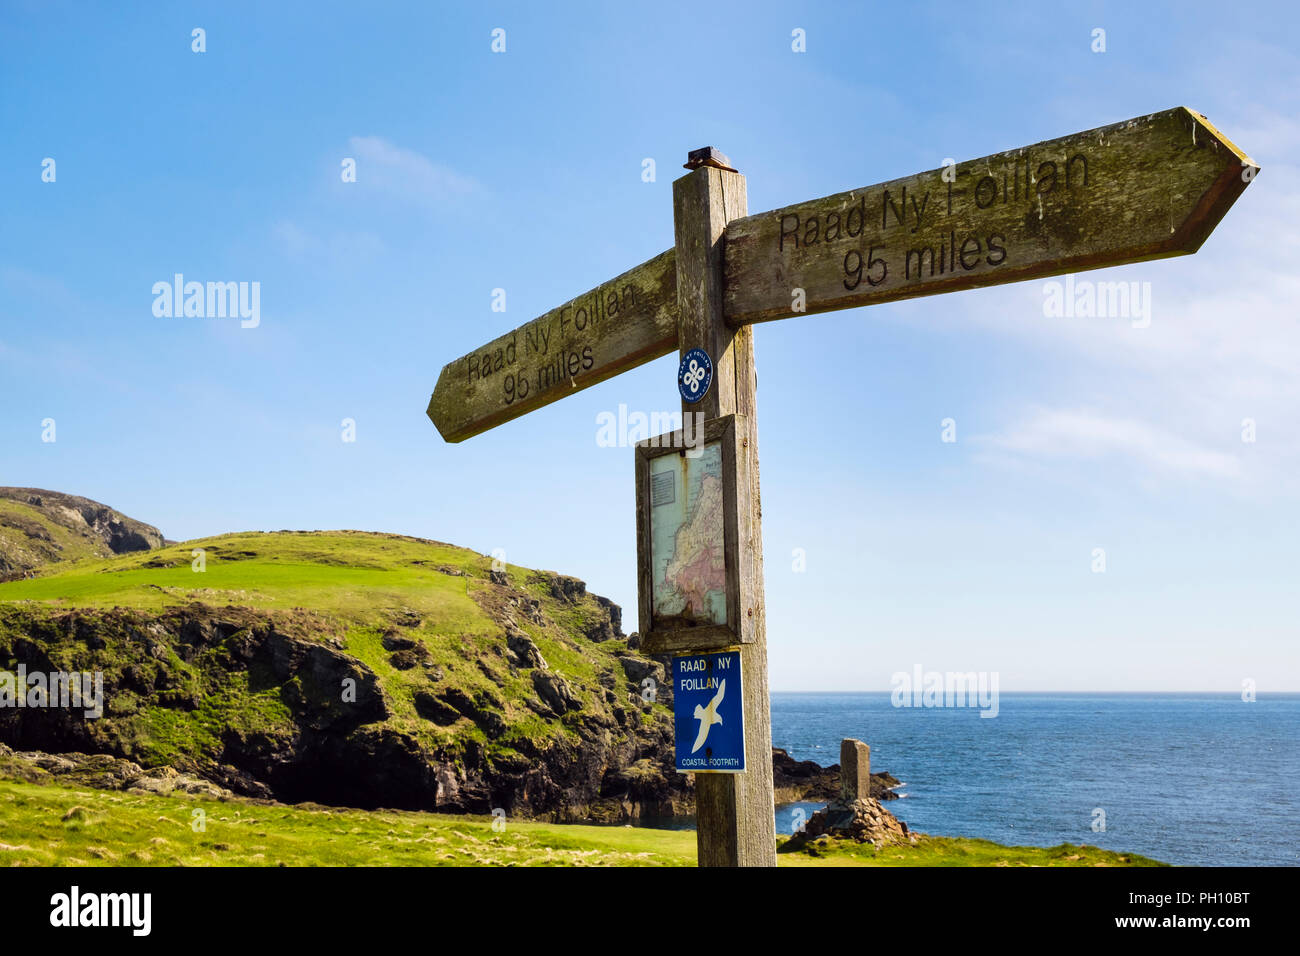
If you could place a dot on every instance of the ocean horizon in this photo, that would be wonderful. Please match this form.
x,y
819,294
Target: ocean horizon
x,y
1193,779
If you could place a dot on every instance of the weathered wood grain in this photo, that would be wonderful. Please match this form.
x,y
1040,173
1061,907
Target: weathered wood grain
x,y
620,324
1148,188
734,812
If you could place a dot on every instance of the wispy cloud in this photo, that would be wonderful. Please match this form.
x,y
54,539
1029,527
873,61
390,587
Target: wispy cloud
x,y
405,173
1086,435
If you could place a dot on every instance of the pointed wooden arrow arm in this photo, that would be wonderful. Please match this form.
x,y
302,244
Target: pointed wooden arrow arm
x,y
620,324
1147,188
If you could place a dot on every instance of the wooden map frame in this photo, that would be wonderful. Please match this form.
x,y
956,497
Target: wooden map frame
x,y
666,636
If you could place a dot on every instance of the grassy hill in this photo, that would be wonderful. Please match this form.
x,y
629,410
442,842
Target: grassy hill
x,y
465,677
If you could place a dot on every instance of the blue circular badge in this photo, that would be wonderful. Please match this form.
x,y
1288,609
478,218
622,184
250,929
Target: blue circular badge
x,y
694,375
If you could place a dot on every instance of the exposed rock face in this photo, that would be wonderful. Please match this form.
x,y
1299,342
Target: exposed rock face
x,y
651,676
609,625
179,661
64,526
523,652
566,588
615,762
555,692
862,820
103,772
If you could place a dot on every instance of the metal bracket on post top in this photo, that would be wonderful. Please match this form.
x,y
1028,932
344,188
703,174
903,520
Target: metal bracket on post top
x,y
708,156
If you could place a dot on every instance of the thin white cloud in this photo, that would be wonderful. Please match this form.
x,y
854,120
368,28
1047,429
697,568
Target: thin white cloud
x,y
1086,435
406,173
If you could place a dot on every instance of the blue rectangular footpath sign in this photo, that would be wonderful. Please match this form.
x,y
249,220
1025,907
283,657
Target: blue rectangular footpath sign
x,y
708,709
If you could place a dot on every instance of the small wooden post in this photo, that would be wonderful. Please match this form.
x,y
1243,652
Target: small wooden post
x,y
855,770
735,813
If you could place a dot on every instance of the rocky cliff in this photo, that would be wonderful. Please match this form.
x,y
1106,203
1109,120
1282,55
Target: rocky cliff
x,y
39,528
306,705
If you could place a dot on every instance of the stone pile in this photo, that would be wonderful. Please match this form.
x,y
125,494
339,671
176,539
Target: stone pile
x,y
863,820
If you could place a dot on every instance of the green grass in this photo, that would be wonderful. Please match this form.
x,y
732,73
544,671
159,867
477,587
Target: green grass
x,y
57,826
960,851
50,825
353,587
343,572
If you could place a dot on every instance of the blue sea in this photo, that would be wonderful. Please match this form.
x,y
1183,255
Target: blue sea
x,y
1191,779
1195,779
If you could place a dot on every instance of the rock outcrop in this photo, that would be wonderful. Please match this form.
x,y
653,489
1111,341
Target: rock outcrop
x,y
103,772
40,527
862,821
795,780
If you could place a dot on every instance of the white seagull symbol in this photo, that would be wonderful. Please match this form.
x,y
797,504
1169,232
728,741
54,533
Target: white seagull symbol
x,y
708,716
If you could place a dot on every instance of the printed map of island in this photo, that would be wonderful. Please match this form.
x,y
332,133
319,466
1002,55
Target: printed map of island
x,y
686,530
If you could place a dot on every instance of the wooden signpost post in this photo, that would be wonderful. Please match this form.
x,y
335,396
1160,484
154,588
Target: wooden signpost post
x,y
1148,188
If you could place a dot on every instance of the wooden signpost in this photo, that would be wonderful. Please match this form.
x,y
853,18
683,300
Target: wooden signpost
x,y
1148,188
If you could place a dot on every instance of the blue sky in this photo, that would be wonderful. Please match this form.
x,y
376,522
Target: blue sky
x,y
522,171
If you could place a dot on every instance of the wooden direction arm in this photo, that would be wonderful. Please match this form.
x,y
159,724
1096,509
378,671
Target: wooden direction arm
x,y
1147,188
